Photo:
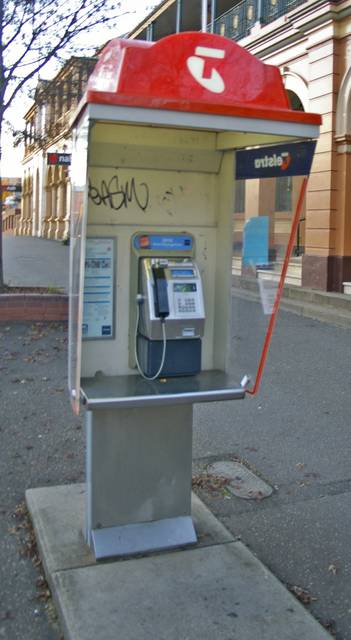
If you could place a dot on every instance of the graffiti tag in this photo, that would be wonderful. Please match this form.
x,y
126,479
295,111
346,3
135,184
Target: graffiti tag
x,y
116,194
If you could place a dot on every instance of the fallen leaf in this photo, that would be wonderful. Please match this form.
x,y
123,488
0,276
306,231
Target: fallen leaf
x,y
332,569
210,482
8,615
303,595
330,626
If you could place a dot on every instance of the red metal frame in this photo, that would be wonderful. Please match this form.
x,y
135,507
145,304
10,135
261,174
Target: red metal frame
x,y
278,296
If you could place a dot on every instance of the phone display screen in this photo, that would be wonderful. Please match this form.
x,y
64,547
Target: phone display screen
x,y
182,273
184,287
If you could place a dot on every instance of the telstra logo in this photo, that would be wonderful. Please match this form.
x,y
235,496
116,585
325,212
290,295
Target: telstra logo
x,y
282,160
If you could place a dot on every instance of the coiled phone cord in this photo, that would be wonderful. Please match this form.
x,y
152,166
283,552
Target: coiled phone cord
x,y
163,324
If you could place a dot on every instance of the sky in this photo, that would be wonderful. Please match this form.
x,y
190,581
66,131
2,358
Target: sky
x,y
11,157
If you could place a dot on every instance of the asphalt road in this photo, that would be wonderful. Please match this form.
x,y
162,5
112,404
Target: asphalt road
x,y
295,434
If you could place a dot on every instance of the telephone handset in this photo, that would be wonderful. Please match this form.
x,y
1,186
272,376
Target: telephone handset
x,y
161,292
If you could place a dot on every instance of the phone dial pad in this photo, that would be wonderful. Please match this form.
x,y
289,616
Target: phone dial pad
x,y
186,304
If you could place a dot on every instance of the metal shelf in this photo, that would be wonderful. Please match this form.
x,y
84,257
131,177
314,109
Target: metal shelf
x,y
107,392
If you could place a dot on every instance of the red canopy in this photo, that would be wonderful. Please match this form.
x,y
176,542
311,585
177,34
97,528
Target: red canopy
x,y
194,72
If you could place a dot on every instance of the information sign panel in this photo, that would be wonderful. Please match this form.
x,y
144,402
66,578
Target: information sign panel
x,y
98,301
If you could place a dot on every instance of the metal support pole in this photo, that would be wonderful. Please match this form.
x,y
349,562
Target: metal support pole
x,y
213,14
204,16
179,16
150,32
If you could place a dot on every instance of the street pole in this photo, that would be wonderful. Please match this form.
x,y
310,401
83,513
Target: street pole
x,y
213,14
204,16
179,16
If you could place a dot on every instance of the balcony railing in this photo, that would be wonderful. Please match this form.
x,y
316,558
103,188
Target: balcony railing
x,y
237,22
272,9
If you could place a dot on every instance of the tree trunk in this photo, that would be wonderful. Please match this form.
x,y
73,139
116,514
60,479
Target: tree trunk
x,y
2,96
1,210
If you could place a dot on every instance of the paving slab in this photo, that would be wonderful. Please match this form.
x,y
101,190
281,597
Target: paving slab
x,y
35,262
215,593
58,518
216,590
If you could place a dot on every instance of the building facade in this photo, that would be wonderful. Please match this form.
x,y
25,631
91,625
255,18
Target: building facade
x,y
310,41
46,185
11,191
311,44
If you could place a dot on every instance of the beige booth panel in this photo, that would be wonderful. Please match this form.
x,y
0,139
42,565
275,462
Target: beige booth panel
x,y
112,356
115,133
146,179
135,147
149,197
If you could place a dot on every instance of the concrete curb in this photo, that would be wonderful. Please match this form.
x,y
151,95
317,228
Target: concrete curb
x,y
333,308
37,307
325,307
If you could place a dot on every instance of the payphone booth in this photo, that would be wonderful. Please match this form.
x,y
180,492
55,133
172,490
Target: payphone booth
x,y
158,140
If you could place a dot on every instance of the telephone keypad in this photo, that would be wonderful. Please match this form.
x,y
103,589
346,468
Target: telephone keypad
x,y
186,305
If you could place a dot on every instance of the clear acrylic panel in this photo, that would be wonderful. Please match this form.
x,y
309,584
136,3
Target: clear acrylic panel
x,y
77,242
268,244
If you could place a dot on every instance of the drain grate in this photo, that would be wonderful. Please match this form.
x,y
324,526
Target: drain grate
x,y
243,483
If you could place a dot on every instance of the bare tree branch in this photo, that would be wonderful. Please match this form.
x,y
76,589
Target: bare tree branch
x,y
34,33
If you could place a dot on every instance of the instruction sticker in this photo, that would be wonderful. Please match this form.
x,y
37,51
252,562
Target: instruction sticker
x,y
98,288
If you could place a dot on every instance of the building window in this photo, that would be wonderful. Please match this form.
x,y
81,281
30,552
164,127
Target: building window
x,y
239,204
295,101
283,192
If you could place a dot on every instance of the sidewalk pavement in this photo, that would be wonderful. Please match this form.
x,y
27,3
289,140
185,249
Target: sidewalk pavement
x,y
216,591
35,262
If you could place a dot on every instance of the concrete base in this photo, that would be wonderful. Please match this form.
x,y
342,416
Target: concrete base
x,y
216,589
135,539
58,516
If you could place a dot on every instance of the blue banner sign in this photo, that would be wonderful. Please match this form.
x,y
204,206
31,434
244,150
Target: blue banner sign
x,y
155,242
292,159
256,241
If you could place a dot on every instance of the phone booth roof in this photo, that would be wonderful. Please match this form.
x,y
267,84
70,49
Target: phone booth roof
x,y
192,79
